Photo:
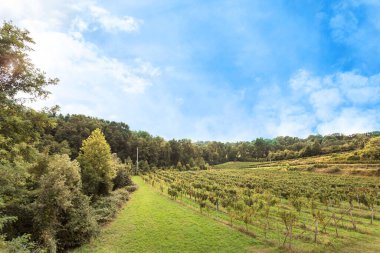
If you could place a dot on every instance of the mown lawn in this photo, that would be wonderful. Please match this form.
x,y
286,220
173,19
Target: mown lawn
x,y
151,222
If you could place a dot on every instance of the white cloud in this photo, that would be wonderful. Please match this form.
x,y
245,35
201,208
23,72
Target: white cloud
x,y
359,89
325,102
88,78
304,81
344,102
351,120
112,23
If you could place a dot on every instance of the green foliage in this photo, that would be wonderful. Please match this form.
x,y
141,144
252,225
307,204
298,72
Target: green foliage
x,y
96,162
62,212
123,172
17,73
74,130
144,167
289,219
22,244
160,153
372,149
106,207
41,199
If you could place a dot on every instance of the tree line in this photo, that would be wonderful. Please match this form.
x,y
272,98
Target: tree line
x,y
156,152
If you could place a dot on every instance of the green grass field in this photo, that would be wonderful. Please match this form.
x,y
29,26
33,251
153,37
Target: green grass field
x,y
151,222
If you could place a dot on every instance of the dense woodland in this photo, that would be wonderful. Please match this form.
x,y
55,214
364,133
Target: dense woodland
x,y
159,152
63,175
156,152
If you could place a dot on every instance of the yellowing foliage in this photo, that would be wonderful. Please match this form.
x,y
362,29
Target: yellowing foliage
x,y
96,163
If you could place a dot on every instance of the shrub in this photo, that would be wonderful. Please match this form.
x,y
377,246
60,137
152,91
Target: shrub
x,y
107,207
63,216
334,170
21,244
131,188
353,158
320,165
122,179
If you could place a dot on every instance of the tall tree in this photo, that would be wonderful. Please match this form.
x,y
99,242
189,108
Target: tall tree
x,y
17,73
96,162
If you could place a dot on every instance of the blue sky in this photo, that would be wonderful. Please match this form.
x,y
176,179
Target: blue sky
x,y
211,70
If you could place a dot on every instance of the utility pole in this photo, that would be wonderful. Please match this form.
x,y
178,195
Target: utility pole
x,y
137,161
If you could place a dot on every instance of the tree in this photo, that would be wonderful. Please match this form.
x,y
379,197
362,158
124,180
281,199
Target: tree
x,y
372,149
144,166
270,201
289,218
179,166
21,130
62,212
96,162
298,203
123,171
17,73
369,200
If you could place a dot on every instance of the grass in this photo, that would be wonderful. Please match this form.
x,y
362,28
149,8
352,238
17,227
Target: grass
x,y
151,222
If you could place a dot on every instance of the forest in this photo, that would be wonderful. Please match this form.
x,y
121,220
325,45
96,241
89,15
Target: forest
x,y
63,176
156,152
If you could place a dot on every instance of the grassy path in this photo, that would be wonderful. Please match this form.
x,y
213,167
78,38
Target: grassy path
x,y
150,222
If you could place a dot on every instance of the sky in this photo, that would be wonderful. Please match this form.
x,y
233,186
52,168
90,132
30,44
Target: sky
x,y
211,70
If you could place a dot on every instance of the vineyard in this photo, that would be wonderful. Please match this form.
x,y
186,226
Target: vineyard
x,y
333,164
290,210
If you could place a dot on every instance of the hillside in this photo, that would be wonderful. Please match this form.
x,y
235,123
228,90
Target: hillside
x,y
331,163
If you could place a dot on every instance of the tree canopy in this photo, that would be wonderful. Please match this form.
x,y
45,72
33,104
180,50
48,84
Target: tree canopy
x,y
96,163
17,72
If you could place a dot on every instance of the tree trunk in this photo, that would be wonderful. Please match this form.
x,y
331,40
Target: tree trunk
x,y
291,235
336,225
286,236
352,218
316,231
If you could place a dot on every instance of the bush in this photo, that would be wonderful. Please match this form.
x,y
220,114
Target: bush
x,y
122,179
63,215
320,165
107,207
131,188
21,244
334,170
353,158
